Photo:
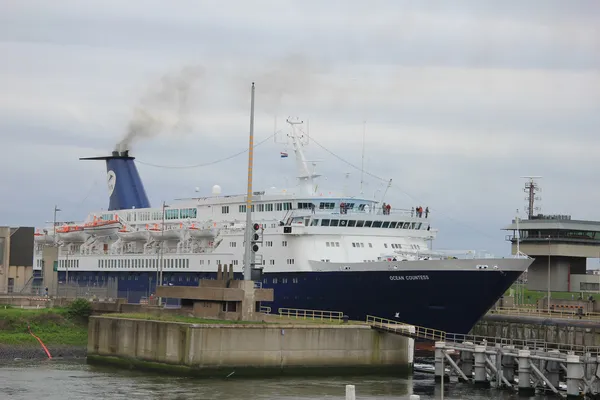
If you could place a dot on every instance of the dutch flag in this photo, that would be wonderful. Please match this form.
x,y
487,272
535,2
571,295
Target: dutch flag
x,y
284,154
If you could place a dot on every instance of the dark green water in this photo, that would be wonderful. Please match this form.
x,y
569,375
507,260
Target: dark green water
x,y
75,380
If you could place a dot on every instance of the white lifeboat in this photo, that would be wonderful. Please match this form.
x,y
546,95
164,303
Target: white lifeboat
x,y
128,235
71,234
160,234
102,228
44,237
209,230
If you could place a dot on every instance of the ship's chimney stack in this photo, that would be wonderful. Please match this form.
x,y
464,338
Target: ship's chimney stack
x,y
125,186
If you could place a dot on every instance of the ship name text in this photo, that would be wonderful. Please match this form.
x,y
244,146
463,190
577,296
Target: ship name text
x,y
409,277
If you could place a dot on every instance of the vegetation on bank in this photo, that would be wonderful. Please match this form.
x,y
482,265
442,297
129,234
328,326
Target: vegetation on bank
x,y
532,296
54,326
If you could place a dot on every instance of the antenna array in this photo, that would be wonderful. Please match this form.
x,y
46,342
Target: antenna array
x,y
532,188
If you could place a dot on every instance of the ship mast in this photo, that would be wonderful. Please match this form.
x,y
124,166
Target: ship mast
x,y
248,253
305,175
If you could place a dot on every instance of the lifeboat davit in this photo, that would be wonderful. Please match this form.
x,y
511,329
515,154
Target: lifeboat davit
x,y
43,237
71,233
128,235
102,228
208,231
159,234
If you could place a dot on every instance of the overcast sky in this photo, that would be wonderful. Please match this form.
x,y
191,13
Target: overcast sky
x,y
460,100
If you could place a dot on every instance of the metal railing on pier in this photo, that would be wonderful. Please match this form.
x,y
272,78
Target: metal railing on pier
x,y
419,332
412,331
265,309
317,315
571,312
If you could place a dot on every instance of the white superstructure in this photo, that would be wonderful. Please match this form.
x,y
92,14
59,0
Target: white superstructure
x,y
304,229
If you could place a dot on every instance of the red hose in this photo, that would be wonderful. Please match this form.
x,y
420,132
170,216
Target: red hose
x,y
42,343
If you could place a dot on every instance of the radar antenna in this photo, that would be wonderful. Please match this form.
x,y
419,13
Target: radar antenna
x,y
532,188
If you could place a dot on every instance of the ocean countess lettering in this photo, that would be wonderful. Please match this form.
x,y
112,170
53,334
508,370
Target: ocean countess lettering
x,y
409,277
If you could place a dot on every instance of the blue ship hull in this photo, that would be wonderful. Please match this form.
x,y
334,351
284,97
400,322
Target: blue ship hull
x,y
451,301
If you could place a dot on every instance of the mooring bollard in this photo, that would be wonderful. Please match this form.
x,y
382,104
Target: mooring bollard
x,y
574,375
439,361
466,362
350,392
525,374
480,374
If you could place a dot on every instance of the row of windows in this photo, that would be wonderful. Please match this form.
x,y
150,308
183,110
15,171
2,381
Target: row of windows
x,y
367,224
153,263
267,243
360,244
262,207
282,280
68,264
144,263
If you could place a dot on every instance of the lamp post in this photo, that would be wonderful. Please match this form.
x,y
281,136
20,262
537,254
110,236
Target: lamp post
x,y
56,209
548,274
54,243
159,270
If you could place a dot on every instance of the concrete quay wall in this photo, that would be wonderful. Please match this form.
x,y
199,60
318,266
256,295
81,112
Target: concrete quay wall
x,y
552,330
198,349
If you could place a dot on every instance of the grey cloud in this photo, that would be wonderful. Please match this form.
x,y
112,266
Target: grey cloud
x,y
70,74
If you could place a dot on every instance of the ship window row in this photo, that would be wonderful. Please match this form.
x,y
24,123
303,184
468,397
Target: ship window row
x,y
265,207
368,224
357,244
282,280
332,244
343,206
175,213
178,263
68,264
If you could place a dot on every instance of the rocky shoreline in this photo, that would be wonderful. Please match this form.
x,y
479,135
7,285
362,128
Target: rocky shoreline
x,y
27,352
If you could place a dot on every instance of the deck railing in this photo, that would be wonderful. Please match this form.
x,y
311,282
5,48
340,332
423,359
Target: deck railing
x,y
317,315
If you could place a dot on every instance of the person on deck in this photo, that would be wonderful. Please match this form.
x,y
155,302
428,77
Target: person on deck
x,y
426,212
388,209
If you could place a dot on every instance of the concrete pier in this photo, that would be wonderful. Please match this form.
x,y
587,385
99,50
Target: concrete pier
x,y
259,348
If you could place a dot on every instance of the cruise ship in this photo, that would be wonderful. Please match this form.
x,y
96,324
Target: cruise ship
x,y
319,250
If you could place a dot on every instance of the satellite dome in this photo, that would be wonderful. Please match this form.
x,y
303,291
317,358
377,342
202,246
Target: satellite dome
x,y
216,190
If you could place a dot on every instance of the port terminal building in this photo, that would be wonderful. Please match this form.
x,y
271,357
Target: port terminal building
x,y
16,261
561,247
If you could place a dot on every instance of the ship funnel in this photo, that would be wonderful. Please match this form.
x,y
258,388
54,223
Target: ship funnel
x,y
125,187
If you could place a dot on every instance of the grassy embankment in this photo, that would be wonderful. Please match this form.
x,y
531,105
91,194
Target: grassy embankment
x,y
57,326
532,296
54,326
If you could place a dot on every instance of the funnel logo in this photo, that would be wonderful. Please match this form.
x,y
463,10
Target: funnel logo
x,y
111,179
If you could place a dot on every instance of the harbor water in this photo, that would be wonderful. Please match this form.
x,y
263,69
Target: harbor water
x,y
75,380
